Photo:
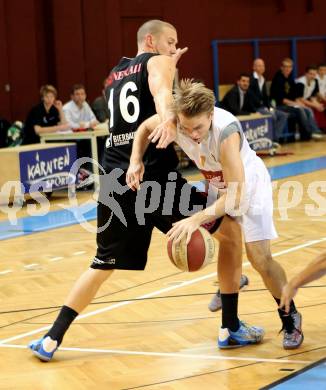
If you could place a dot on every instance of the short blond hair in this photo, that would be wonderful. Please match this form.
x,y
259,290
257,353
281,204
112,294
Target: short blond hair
x,y
154,27
287,60
45,89
192,98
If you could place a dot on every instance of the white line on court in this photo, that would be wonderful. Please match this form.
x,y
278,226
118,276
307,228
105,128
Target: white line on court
x,y
31,265
7,271
171,354
56,258
79,253
154,293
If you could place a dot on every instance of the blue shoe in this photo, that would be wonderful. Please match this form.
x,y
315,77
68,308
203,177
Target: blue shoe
x,y
245,335
44,348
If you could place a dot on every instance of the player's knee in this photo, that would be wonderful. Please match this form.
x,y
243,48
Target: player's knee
x,y
230,238
262,264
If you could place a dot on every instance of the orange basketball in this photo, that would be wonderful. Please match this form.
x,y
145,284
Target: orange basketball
x,y
196,255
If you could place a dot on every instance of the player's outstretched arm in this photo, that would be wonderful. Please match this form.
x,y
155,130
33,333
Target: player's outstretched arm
x,y
161,72
136,167
315,270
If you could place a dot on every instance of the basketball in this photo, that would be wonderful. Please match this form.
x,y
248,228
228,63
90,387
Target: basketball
x,y
196,255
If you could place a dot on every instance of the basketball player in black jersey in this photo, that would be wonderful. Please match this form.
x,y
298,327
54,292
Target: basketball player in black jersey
x,y
135,89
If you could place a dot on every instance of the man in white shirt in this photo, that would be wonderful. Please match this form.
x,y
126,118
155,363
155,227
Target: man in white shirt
x,y
308,89
308,94
321,77
77,111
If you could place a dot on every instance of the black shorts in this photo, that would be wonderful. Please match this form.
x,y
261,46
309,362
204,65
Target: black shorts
x,y
124,235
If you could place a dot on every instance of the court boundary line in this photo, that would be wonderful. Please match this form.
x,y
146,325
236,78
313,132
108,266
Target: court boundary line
x,y
156,292
170,354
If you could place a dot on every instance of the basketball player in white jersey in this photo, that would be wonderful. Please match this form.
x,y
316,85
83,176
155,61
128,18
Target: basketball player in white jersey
x,y
214,140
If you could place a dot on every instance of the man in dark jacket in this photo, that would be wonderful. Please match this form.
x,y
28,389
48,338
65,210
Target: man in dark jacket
x,y
239,100
283,91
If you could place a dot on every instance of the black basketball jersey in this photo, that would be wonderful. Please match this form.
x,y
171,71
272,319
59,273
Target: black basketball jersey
x,y
130,102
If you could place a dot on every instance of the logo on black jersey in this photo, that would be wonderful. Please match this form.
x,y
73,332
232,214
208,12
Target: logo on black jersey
x,y
114,76
119,139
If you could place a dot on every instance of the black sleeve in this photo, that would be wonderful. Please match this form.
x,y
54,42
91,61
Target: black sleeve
x,y
266,100
315,92
253,101
276,91
254,93
56,117
230,102
273,92
299,90
36,117
29,135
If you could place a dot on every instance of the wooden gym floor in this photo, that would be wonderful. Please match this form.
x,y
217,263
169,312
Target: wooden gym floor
x,y
152,329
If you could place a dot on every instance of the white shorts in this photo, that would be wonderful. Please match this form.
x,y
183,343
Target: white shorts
x,y
257,223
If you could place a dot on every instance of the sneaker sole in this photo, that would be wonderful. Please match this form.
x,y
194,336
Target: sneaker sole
x,y
41,357
238,345
38,355
295,346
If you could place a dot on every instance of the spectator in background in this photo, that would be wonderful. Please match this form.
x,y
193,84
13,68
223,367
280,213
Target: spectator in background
x,y
258,83
308,89
46,117
259,90
309,95
283,91
77,111
239,100
321,77
100,107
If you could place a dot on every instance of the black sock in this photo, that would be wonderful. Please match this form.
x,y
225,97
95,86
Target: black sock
x,y
287,320
62,323
230,318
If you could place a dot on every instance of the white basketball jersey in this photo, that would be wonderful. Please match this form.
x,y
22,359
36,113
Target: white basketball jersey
x,y
206,154
257,222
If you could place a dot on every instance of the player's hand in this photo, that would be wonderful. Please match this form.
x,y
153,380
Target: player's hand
x,y
178,54
164,133
135,175
183,228
288,294
58,105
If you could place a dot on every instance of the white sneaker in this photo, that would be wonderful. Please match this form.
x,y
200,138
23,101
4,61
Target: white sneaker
x,y
317,136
